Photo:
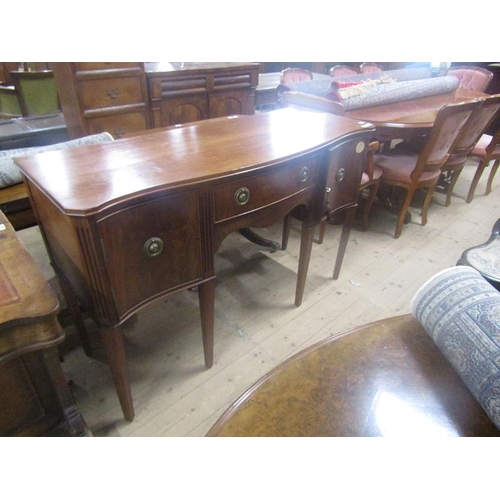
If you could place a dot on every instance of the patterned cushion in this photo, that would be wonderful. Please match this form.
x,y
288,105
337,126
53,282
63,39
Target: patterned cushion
x,y
460,310
9,171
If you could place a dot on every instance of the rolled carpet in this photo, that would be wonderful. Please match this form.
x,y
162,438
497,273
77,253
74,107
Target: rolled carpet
x,y
460,310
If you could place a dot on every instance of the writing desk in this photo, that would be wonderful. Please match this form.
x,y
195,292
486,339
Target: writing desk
x,y
402,120
129,222
386,378
35,398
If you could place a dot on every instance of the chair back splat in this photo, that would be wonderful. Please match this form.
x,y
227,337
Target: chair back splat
x,y
295,75
369,67
471,77
36,91
486,150
343,70
475,127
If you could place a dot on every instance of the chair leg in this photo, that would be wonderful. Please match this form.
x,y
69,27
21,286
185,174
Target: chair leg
x,y
494,169
427,202
368,205
454,178
475,181
402,213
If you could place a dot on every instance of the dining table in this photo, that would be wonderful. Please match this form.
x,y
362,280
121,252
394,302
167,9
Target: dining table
x,y
410,118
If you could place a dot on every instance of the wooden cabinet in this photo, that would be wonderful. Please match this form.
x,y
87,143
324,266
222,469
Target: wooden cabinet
x,y
186,92
103,97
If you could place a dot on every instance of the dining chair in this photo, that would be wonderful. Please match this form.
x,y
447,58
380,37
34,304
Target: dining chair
x,y
421,171
9,103
471,77
486,150
295,75
369,67
36,91
343,70
473,130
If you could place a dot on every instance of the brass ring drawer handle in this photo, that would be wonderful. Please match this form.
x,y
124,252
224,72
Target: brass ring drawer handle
x,y
339,177
242,196
153,247
304,174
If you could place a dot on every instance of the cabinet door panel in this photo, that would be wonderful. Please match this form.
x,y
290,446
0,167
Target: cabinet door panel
x,y
155,247
184,109
233,102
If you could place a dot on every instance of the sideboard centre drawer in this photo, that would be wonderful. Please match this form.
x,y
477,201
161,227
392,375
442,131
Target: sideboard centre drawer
x,y
257,191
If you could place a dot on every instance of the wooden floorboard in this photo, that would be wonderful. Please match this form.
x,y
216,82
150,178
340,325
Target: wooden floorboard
x,y
257,326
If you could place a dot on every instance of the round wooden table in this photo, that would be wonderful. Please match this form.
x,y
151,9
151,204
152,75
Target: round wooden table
x,y
386,378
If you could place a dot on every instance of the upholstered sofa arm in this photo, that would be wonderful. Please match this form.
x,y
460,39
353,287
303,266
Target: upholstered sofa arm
x,y
11,175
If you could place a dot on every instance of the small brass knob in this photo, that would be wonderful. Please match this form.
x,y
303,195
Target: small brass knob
x,y
153,247
242,196
339,177
304,174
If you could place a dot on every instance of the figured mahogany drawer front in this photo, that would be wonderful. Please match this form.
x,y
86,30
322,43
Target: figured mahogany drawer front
x,y
95,66
107,92
155,247
257,191
232,81
118,125
183,86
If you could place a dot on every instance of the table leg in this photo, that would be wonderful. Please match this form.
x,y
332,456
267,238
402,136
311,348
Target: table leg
x,y
206,297
306,241
112,339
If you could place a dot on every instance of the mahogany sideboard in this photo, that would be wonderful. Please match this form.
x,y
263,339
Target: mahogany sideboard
x,y
35,399
131,221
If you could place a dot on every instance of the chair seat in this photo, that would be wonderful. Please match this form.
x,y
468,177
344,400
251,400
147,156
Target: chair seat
x,y
398,168
377,173
480,148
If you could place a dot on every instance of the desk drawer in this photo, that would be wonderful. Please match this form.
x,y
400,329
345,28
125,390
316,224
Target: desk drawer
x,y
253,192
118,125
108,92
151,248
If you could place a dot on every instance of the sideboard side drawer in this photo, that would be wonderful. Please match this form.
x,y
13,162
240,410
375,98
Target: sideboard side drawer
x,y
151,248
